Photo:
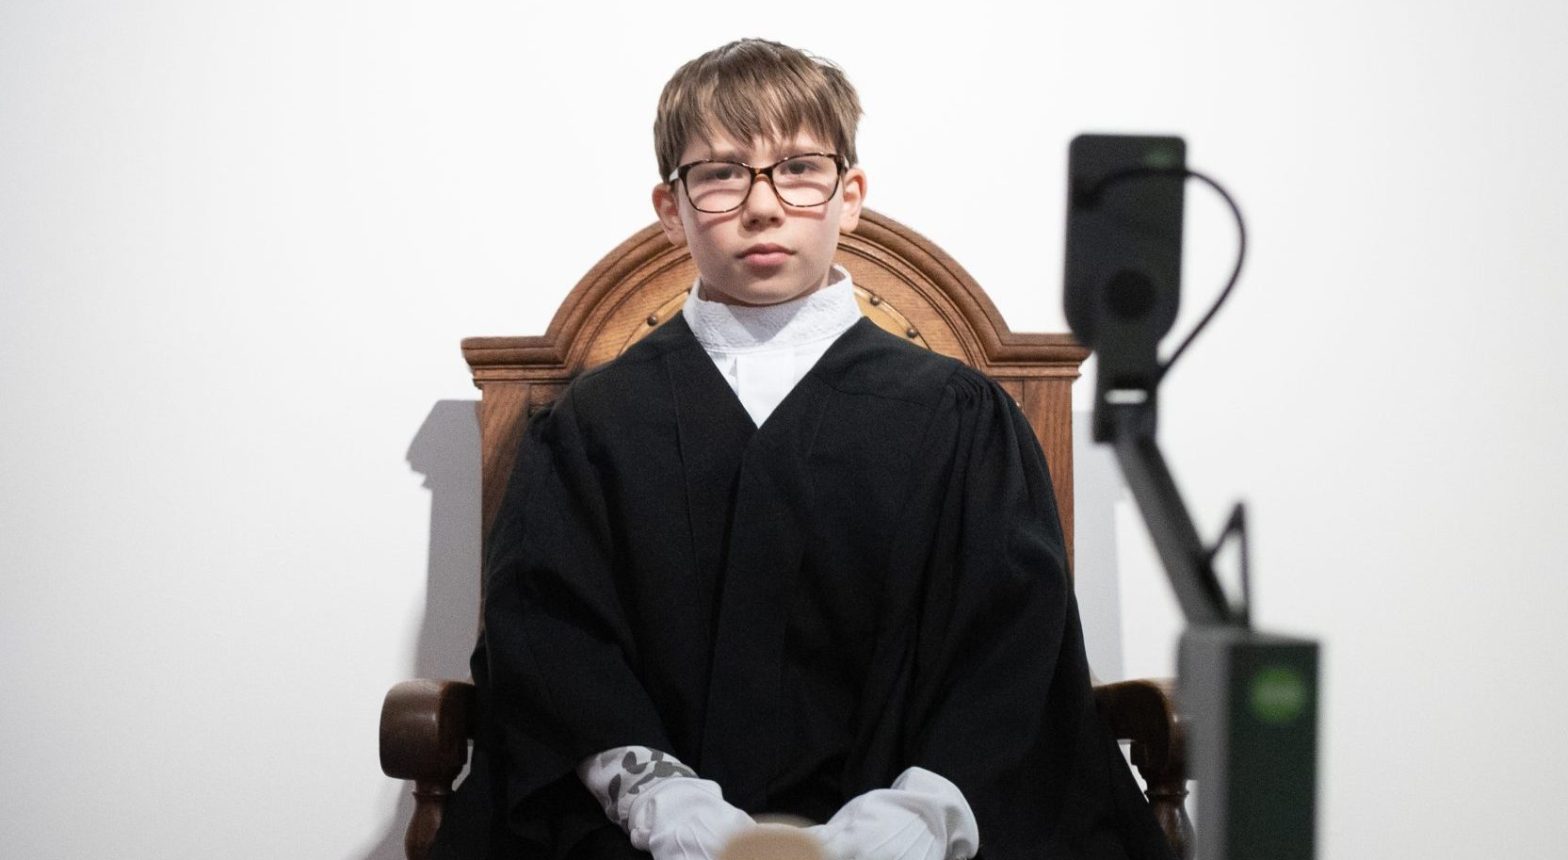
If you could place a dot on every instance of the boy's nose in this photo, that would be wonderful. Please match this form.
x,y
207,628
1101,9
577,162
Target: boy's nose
x,y
763,203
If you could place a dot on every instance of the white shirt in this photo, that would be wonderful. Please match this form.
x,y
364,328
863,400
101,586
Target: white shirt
x,y
763,352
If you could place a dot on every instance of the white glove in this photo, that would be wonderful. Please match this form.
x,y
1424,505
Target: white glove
x,y
661,804
683,818
921,817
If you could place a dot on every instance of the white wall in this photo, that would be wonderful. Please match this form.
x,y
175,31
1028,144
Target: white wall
x,y
239,243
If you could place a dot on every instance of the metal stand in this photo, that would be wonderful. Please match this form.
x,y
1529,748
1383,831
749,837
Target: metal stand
x,y
1250,698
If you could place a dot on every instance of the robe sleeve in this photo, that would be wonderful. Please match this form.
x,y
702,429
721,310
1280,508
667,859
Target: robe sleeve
x,y
999,698
558,680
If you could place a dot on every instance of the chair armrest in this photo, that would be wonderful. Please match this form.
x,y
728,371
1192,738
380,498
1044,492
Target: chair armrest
x,y
425,727
1144,712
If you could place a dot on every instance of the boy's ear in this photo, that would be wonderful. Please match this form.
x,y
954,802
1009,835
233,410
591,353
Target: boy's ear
x,y
854,198
669,211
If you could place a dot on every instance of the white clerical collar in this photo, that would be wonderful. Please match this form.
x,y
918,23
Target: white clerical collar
x,y
819,316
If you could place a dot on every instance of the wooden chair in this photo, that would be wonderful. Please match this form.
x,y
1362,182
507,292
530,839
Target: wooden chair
x,y
905,284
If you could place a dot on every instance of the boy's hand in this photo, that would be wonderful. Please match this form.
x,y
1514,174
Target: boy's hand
x,y
684,818
662,804
922,817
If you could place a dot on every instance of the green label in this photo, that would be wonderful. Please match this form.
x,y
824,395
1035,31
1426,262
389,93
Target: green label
x,y
1279,694
1161,159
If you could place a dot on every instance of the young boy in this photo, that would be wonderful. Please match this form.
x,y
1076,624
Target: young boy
x,y
774,560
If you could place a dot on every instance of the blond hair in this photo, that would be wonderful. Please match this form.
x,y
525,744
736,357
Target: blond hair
x,y
753,89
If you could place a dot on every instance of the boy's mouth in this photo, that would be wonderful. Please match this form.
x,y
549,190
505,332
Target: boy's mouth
x,y
765,255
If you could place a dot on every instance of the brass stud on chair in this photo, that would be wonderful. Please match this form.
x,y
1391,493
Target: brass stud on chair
x,y
875,300
653,319
911,333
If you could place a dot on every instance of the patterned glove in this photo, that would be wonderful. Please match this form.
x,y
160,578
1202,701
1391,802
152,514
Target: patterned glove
x,y
661,804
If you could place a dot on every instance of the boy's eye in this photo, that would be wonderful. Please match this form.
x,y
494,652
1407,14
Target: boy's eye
x,y
715,173
801,166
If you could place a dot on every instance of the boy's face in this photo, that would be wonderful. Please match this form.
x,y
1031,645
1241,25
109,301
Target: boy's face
x,y
766,251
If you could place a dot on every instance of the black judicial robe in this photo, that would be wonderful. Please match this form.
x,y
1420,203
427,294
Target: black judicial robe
x,y
873,579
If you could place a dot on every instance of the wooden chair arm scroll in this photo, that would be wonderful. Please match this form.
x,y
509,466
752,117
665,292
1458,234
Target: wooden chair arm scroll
x,y
1144,712
425,727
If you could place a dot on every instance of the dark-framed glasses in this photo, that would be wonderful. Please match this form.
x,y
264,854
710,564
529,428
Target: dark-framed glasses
x,y
804,180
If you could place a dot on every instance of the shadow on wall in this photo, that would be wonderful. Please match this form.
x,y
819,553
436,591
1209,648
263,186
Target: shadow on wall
x,y
1097,487
446,452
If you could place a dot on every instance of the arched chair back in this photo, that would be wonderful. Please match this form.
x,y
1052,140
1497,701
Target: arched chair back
x,y
904,282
